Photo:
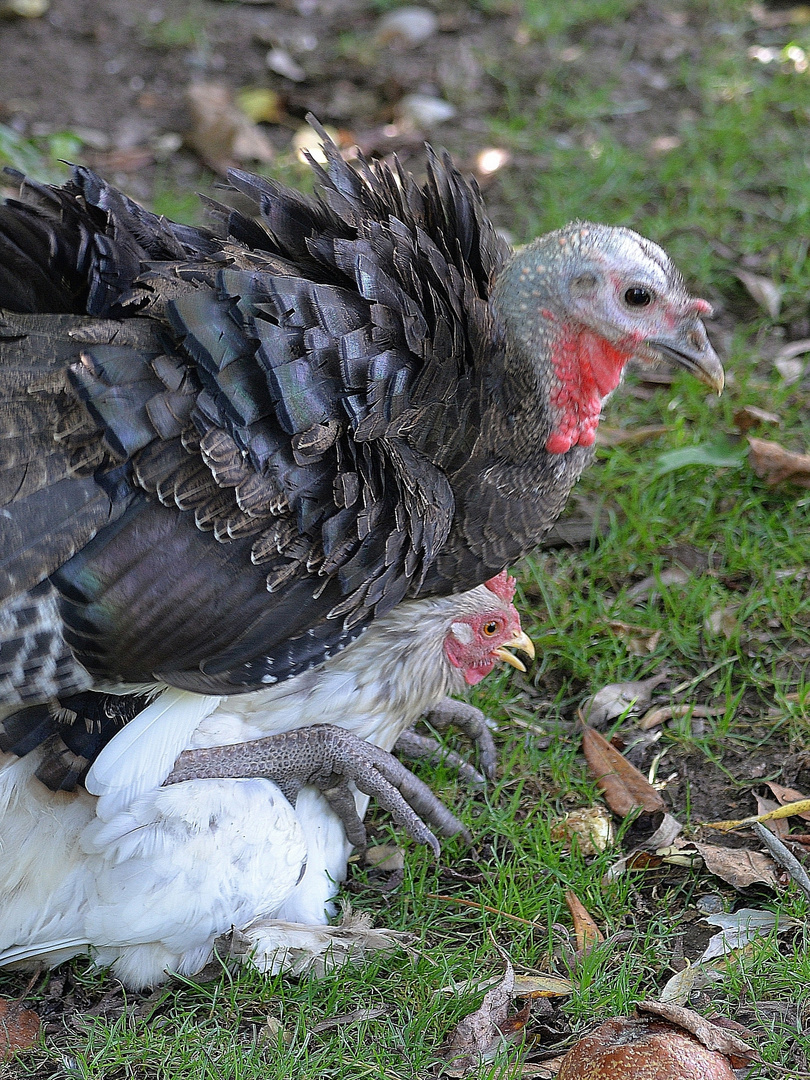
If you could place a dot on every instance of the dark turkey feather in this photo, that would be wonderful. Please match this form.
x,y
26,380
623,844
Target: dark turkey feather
x,y
224,454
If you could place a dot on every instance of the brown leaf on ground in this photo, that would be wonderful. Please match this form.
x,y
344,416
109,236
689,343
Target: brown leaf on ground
x,y
709,1034
778,826
220,132
739,866
19,1028
615,698
723,620
587,932
776,465
751,416
663,713
764,290
785,795
650,587
623,786
525,986
544,1070
638,640
479,1036
385,857
643,1048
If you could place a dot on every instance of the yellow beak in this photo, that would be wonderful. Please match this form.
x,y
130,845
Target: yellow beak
x,y
520,641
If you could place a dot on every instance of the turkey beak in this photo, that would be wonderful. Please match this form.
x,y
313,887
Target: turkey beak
x,y
520,641
691,349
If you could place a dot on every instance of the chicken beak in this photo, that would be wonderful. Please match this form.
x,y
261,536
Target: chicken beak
x,y
520,641
690,347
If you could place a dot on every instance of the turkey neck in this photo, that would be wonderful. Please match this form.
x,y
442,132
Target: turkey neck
x,y
534,333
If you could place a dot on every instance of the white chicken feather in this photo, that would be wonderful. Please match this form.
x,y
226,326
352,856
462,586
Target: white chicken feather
x,y
146,877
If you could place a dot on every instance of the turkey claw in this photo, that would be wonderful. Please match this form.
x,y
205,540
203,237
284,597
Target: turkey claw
x,y
329,759
468,719
416,747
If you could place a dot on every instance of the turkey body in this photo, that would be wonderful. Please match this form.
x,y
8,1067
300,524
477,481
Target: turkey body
x,y
148,876
225,454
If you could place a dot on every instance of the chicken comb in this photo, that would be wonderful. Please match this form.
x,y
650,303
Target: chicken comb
x,y
503,586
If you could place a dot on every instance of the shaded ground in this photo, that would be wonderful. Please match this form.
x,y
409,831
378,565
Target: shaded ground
x,y
115,72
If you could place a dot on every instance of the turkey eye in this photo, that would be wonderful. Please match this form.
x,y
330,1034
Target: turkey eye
x,y
638,297
490,629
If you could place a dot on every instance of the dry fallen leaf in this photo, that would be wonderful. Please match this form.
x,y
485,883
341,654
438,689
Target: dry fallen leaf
x,y
738,866
616,698
776,465
751,416
607,436
651,586
358,1016
478,1037
385,857
260,104
723,620
273,1030
542,1070
587,932
24,9
778,826
740,928
660,715
785,795
638,640
220,132
712,1036
623,786
19,1028
530,986
764,290
678,989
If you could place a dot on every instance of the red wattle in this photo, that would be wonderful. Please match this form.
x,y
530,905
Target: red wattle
x,y
476,674
588,368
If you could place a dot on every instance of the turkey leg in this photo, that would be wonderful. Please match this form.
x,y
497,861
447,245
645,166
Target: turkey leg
x,y
469,720
329,759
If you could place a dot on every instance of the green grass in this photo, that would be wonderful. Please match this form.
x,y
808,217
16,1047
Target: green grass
x,y
739,176
42,158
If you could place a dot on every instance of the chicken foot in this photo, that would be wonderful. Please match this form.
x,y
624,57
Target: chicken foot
x,y
472,722
329,758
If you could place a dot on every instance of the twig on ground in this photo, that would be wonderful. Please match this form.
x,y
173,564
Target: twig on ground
x,y
483,907
784,857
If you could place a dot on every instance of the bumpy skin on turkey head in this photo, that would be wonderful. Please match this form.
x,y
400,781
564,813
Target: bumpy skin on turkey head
x,y
266,441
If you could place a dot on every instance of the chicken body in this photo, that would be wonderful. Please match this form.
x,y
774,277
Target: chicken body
x,y
147,876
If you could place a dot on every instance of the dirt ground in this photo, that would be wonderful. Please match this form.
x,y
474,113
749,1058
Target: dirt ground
x,y
117,72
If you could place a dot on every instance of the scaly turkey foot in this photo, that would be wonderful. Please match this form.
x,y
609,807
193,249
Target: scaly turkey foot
x,y
329,758
468,719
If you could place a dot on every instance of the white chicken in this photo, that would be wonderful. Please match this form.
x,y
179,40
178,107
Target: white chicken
x,y
145,874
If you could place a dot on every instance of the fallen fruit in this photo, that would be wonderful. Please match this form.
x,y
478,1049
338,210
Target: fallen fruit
x,y
642,1049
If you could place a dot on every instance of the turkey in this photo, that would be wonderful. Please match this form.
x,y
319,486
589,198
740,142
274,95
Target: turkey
x,y
148,876
226,453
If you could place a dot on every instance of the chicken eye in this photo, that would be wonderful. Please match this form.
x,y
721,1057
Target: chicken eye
x,y
636,296
490,629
